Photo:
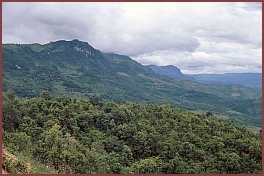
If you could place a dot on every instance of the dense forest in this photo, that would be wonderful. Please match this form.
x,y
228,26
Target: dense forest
x,y
88,135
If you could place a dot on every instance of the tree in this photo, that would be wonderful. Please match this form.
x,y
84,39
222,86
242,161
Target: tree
x,y
11,111
209,113
46,95
126,157
52,144
233,163
174,166
149,165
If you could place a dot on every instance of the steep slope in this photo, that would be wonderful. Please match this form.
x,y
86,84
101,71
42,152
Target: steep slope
x,y
68,68
11,164
76,69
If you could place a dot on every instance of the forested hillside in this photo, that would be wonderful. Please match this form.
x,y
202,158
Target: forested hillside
x,y
92,136
76,69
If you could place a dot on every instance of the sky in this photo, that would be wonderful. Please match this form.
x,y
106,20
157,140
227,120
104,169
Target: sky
x,y
197,37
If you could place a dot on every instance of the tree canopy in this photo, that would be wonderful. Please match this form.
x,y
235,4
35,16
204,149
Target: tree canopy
x,y
94,136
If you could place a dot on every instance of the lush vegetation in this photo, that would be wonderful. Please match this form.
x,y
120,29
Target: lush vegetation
x,y
75,69
93,136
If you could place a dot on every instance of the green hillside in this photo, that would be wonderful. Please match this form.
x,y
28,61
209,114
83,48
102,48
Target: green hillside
x,y
88,136
76,69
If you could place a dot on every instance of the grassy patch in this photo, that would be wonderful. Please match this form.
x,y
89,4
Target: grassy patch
x,y
37,47
222,117
235,94
255,129
20,163
123,74
233,112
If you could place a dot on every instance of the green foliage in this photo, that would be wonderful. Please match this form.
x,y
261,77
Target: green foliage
x,y
14,166
75,69
11,114
93,136
20,163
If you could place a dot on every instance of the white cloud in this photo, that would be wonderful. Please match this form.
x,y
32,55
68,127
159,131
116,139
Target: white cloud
x,y
196,37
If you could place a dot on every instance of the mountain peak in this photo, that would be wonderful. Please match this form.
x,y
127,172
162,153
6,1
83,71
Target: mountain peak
x,y
170,71
70,42
75,44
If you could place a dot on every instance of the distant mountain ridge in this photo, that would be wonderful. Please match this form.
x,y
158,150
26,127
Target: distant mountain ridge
x,y
170,71
245,79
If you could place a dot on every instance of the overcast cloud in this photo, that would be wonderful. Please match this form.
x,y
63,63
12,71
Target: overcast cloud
x,y
196,37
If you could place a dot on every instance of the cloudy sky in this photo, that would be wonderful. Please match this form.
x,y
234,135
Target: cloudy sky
x,y
195,37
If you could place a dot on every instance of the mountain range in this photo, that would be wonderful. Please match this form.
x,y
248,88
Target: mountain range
x,y
245,79
74,68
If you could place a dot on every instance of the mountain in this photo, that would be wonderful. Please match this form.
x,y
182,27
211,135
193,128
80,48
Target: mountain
x,y
253,80
245,79
76,69
170,71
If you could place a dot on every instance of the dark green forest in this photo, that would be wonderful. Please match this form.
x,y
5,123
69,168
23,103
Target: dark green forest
x,y
91,135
